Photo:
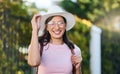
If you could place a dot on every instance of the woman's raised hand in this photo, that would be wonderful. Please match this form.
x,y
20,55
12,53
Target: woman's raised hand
x,y
36,22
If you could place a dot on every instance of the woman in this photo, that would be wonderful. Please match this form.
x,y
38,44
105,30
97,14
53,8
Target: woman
x,y
52,52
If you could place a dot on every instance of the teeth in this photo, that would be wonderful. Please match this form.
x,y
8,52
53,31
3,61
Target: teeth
x,y
57,32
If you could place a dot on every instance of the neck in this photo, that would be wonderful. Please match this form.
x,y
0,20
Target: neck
x,y
56,41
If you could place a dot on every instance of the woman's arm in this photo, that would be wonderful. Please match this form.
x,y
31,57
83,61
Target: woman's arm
x,y
34,49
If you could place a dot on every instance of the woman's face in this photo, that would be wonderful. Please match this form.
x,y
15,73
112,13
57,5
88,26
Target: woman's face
x,y
56,27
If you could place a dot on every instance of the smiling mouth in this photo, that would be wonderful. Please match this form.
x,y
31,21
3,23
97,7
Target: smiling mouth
x,y
57,32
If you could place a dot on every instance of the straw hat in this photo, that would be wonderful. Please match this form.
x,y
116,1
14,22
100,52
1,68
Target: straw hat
x,y
56,10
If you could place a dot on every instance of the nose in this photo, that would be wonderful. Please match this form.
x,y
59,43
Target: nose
x,y
56,26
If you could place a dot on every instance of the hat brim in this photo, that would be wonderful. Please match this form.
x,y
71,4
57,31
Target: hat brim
x,y
68,16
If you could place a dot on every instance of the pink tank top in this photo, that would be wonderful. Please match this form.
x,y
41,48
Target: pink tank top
x,y
56,59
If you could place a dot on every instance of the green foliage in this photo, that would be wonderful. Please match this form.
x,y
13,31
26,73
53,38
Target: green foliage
x,y
14,33
80,36
90,9
110,52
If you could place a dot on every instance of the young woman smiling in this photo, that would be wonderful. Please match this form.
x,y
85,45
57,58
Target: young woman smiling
x,y
50,50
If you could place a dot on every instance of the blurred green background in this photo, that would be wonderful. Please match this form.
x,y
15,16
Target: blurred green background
x,y
15,33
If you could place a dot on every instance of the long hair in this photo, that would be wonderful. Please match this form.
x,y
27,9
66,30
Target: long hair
x,y
45,39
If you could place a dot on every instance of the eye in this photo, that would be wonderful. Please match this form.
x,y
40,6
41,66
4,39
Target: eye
x,y
60,23
50,23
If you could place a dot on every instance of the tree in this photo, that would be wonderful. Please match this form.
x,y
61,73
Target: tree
x,y
15,31
90,9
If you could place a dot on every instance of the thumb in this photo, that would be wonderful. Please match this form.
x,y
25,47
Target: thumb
x,y
38,21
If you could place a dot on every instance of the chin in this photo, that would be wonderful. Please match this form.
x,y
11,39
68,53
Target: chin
x,y
57,37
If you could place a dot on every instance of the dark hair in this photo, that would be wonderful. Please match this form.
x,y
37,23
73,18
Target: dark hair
x,y
45,39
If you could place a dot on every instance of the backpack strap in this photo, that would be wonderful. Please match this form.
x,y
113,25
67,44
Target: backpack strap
x,y
72,51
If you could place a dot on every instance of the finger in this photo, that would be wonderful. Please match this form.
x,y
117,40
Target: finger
x,y
77,65
35,17
38,21
77,59
72,59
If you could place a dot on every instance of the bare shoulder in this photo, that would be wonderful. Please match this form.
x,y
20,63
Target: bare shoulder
x,y
77,50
